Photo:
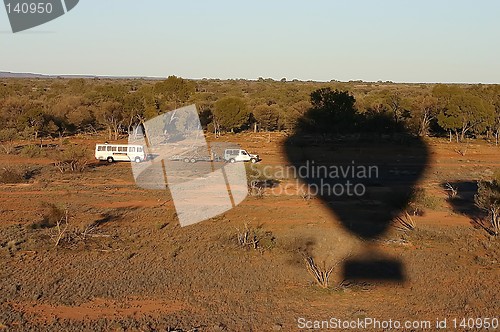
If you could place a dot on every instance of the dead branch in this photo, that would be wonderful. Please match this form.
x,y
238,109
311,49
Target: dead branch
x,y
61,231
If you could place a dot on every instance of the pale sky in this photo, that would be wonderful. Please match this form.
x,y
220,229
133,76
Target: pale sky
x,y
396,40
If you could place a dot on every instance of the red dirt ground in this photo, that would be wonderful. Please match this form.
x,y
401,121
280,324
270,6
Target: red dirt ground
x,y
138,270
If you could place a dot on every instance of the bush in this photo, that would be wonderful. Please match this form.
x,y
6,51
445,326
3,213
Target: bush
x,y
73,159
421,201
7,137
33,151
488,200
12,176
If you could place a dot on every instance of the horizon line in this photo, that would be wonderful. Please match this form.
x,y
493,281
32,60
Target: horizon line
x,y
154,77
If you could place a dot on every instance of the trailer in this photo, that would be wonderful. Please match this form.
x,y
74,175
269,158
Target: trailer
x,y
194,158
193,155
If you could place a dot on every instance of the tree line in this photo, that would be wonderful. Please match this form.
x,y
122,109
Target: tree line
x,y
39,108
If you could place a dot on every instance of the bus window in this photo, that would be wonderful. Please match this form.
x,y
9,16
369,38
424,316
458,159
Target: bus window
x,y
122,149
113,148
139,149
109,148
101,148
131,149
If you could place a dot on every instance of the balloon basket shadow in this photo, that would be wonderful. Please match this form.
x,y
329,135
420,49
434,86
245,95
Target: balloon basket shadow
x,y
379,270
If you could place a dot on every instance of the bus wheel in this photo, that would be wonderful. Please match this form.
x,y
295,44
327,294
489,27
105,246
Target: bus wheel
x,y
110,160
186,160
193,160
232,161
137,160
253,160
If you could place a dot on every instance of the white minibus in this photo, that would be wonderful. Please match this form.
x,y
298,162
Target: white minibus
x,y
120,152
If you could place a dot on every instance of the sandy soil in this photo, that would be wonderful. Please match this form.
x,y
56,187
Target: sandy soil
x,y
138,270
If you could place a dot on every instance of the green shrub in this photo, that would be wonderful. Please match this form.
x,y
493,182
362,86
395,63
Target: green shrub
x,y
72,159
33,151
421,201
7,138
488,200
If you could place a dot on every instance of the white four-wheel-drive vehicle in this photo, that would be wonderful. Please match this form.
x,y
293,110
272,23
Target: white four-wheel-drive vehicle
x,y
238,155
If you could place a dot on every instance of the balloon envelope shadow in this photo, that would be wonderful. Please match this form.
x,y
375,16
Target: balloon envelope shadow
x,y
366,180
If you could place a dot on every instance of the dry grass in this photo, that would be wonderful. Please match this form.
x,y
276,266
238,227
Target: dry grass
x,y
254,238
405,223
320,274
451,191
256,189
247,237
